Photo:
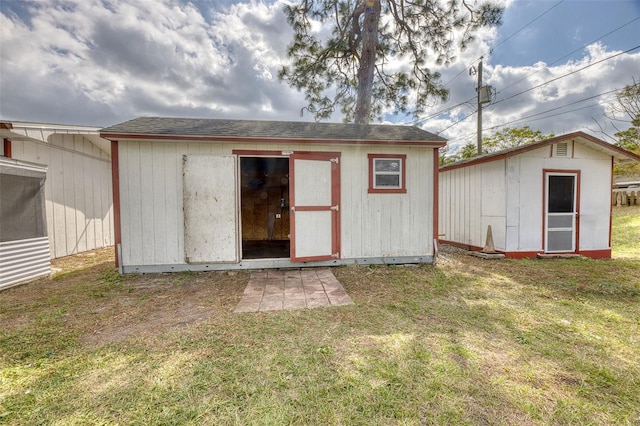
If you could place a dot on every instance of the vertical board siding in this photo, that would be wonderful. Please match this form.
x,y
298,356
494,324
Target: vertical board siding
x,y
471,199
372,225
78,202
146,199
508,195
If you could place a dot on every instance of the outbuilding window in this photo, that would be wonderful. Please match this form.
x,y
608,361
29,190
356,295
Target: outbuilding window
x,y
387,174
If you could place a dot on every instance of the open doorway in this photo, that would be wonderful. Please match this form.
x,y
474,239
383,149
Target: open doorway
x,y
264,204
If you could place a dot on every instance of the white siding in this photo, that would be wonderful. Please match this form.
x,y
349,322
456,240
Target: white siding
x,y
595,188
471,199
508,194
78,189
372,225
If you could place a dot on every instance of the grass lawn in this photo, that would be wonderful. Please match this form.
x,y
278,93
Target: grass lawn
x,y
468,341
625,237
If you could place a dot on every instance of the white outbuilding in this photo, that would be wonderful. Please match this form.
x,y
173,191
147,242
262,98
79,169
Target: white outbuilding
x,y
548,197
207,194
55,196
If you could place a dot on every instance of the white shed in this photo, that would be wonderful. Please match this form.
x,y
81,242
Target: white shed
x,y
71,166
203,194
552,196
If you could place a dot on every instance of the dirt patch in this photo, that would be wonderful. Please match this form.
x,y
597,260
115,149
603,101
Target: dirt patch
x,y
86,293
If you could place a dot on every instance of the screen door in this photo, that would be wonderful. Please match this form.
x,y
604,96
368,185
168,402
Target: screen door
x,y
561,212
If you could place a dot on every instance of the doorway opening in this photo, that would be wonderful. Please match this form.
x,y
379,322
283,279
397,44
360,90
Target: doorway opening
x,y
264,207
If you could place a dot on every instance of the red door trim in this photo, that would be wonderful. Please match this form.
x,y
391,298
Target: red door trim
x,y
115,188
545,173
436,196
6,143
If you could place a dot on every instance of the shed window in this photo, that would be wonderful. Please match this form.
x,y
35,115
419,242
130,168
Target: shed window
x,y
387,173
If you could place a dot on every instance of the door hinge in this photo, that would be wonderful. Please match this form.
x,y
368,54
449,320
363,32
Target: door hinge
x,y
335,160
293,209
335,208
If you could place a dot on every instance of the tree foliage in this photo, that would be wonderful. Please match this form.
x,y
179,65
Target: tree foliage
x,y
629,139
509,137
627,109
364,56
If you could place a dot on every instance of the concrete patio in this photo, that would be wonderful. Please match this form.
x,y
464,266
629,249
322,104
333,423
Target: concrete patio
x,y
292,289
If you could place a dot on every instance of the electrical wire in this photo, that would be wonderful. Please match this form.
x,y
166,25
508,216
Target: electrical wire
x,y
534,20
456,122
546,112
491,50
570,53
516,82
563,76
435,114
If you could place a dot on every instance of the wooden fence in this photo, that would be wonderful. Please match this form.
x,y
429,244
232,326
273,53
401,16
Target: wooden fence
x,y
626,197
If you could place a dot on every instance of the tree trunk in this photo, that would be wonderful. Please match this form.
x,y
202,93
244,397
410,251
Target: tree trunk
x,y
367,61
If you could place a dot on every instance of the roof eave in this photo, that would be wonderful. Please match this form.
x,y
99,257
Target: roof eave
x,y
620,154
259,139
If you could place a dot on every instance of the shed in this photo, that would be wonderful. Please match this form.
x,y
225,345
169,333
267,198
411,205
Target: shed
x,y
209,194
548,197
64,173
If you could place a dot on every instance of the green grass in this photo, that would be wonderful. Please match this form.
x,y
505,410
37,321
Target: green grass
x,y
466,342
625,234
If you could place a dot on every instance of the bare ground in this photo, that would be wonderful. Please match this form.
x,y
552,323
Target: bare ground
x,y
107,307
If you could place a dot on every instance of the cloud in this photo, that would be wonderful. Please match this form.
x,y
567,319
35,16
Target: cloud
x,y
99,62
571,96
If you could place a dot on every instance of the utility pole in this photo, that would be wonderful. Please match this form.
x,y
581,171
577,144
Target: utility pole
x,y
479,107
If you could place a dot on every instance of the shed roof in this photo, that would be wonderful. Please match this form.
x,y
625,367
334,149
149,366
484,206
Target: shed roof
x,y
164,128
28,131
620,155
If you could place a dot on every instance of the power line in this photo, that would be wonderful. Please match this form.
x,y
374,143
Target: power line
x,y
504,41
534,20
435,114
565,75
570,53
456,122
544,112
540,118
543,84
516,82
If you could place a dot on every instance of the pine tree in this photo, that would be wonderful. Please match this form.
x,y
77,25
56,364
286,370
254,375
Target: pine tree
x,y
367,55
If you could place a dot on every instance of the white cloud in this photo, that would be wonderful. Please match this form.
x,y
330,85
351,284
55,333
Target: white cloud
x,y
100,62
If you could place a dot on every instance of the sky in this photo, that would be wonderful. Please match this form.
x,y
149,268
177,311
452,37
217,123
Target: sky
x,y
553,65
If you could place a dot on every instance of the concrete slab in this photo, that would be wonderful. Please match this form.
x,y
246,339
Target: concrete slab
x,y
275,290
484,255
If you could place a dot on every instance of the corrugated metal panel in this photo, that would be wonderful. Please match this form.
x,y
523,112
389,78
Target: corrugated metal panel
x,y
23,260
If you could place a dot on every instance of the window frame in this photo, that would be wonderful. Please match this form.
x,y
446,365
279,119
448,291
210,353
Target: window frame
x,y
402,189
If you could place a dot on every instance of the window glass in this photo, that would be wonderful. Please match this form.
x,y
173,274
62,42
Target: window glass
x,y
387,173
384,165
388,180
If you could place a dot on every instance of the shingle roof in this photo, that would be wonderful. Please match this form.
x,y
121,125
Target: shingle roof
x,y
256,129
621,155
